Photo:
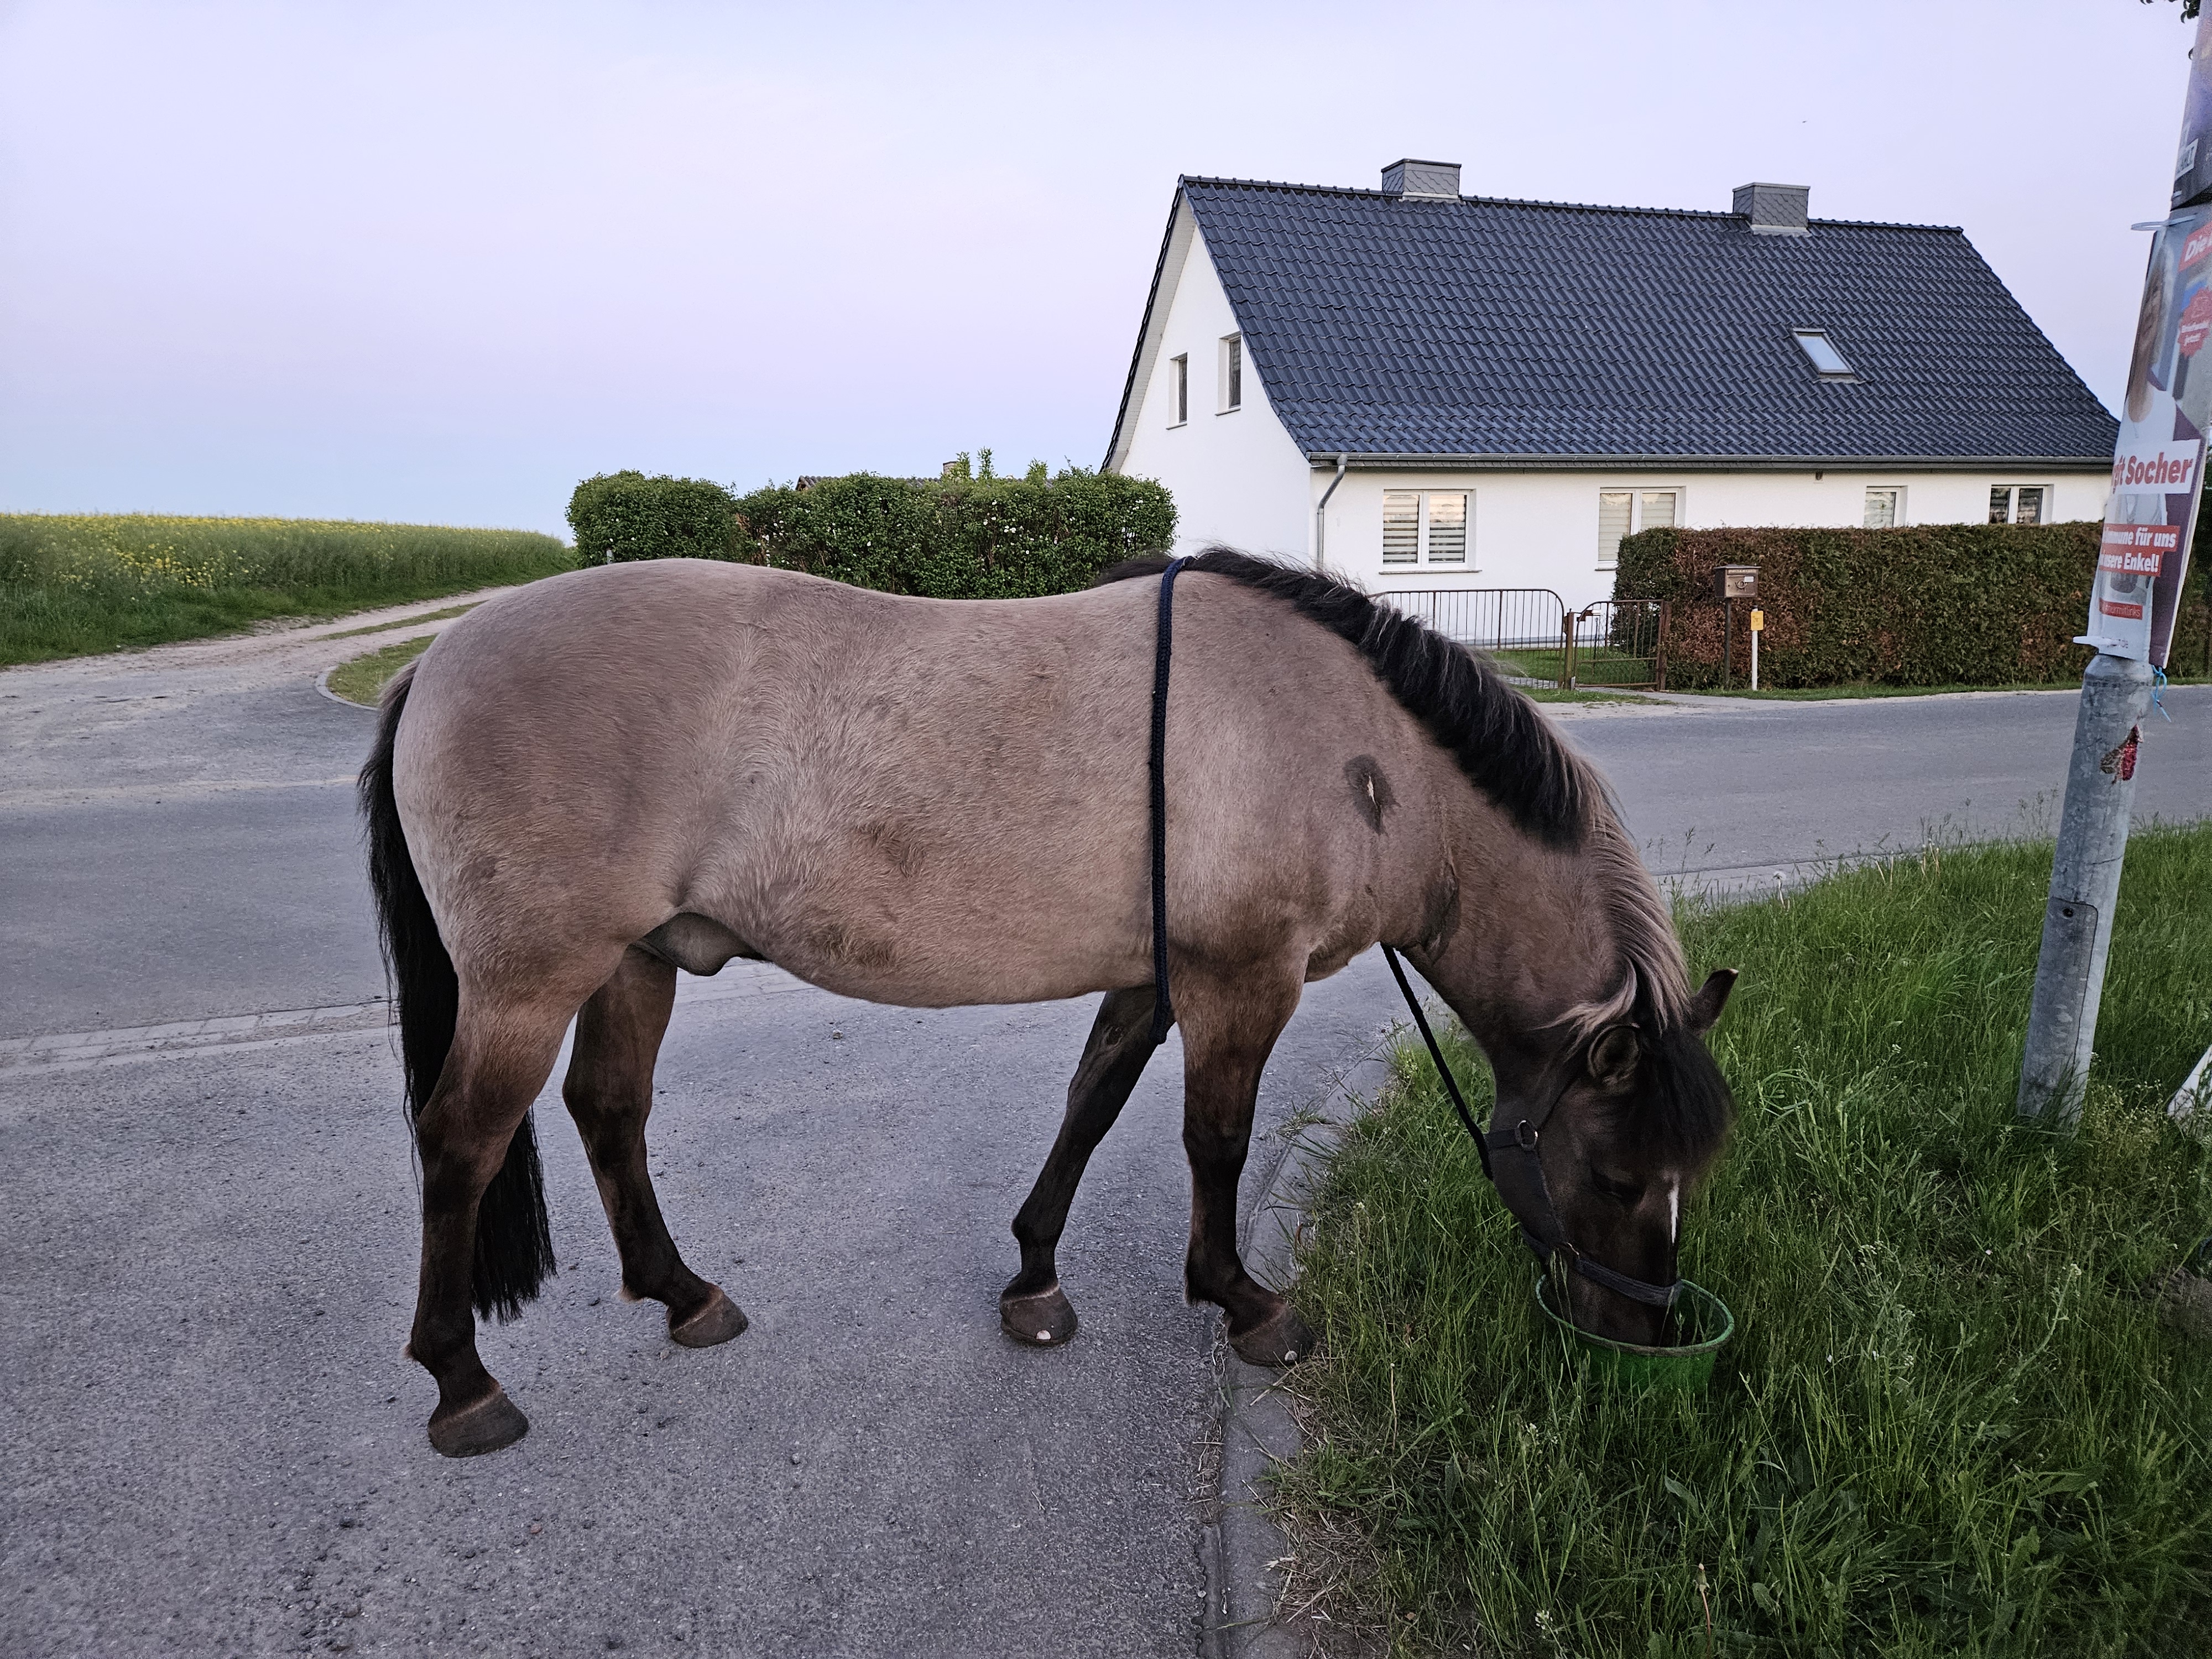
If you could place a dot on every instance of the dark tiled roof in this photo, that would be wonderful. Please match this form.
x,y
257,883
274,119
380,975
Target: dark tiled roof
x,y
1390,325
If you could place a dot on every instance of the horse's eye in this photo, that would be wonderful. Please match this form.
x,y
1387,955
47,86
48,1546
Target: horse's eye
x,y
1630,1193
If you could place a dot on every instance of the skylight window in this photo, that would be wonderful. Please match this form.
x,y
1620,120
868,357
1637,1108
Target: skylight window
x,y
1821,352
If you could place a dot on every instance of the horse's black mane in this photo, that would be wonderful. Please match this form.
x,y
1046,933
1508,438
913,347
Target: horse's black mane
x,y
1494,732
1508,751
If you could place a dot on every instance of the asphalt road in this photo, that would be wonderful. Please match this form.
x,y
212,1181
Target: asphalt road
x,y
212,1444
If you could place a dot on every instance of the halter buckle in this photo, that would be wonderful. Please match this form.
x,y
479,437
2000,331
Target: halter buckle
x,y
1525,1135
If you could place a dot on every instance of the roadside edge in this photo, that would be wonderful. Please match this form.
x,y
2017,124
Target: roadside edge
x,y
1245,1550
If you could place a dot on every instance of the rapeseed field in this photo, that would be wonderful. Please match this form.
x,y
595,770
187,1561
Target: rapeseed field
x,y
74,584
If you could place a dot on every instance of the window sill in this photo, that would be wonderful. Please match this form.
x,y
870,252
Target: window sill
x,y
1234,409
1174,426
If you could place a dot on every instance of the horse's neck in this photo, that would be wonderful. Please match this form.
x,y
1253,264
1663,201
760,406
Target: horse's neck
x,y
1534,934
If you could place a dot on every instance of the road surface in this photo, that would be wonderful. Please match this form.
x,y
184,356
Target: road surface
x,y
213,1444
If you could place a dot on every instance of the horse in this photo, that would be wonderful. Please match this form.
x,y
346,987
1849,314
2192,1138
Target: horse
x,y
611,775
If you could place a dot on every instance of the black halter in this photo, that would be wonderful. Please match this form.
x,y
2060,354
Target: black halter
x,y
1509,1155
1510,1159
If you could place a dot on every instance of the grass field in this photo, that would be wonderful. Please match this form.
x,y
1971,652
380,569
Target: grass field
x,y
1950,1422
71,586
1592,668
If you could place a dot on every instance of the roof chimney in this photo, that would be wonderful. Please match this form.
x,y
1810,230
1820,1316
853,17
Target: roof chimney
x,y
1428,181
1773,210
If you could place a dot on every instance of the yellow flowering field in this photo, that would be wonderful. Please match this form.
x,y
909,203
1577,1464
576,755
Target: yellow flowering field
x,y
71,584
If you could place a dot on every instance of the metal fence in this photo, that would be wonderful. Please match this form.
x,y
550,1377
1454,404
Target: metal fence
x,y
1537,640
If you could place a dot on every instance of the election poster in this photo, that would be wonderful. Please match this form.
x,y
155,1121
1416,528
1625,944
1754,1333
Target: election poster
x,y
2158,466
2192,157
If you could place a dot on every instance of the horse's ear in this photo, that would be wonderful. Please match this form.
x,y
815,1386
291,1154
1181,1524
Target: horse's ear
x,y
1712,997
1613,1057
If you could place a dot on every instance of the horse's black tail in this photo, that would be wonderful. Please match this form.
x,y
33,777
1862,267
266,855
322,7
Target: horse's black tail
x,y
514,1239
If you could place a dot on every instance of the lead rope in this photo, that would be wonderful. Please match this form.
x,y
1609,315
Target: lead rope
x,y
1436,1054
1162,1004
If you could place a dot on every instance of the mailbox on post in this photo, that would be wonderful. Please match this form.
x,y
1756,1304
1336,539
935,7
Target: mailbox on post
x,y
1732,582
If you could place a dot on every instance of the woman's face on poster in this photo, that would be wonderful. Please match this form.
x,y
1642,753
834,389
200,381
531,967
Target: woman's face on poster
x,y
2147,344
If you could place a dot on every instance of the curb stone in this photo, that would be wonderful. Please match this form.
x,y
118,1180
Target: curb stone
x,y
323,685
1243,1547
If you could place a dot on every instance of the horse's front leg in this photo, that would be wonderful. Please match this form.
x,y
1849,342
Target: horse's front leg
x,y
1033,1308
1226,1040
609,1092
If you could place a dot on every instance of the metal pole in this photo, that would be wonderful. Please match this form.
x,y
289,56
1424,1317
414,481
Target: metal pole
x,y
2085,884
1727,644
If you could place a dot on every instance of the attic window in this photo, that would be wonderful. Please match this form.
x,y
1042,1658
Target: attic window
x,y
1823,354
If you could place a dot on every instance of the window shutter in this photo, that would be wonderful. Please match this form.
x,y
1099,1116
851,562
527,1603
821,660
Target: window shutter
x,y
1401,526
1658,510
1448,527
1881,509
1613,510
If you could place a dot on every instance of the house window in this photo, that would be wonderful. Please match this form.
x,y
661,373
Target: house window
x,y
1232,372
1819,350
1425,523
2017,504
1180,368
1447,526
1884,508
1624,511
1401,527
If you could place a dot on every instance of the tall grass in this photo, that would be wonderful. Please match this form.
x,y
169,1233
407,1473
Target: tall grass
x,y
72,585
1950,1422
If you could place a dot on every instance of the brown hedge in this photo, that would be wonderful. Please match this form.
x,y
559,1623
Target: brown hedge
x,y
1933,604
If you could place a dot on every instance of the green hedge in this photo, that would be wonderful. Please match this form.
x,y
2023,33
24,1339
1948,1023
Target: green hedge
x,y
626,515
960,537
1934,604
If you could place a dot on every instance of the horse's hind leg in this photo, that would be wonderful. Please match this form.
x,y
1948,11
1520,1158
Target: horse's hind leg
x,y
1033,1308
1226,1041
497,1063
609,1091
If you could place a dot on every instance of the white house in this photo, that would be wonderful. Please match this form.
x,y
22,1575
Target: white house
x,y
1424,390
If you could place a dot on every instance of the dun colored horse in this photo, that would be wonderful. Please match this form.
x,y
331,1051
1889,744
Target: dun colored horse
x,y
606,776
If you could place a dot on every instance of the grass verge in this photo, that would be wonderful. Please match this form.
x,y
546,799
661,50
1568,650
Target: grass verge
x,y
446,615
1553,694
1828,693
362,680
74,585
1950,1422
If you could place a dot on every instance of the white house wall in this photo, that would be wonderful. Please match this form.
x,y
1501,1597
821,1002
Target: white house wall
x,y
1540,529
1236,477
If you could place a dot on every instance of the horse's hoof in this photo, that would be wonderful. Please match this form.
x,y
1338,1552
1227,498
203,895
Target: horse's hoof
x,y
718,1321
1043,1319
493,1422
1281,1338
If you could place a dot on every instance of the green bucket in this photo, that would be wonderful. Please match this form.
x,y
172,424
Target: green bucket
x,y
1704,1323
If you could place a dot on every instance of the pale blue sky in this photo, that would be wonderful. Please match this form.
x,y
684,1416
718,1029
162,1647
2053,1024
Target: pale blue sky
x,y
438,262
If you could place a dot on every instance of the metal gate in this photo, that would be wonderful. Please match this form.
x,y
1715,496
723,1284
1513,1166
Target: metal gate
x,y
1532,636
1621,643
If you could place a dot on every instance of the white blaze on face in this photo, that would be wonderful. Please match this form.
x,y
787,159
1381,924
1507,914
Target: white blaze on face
x,y
1673,1211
